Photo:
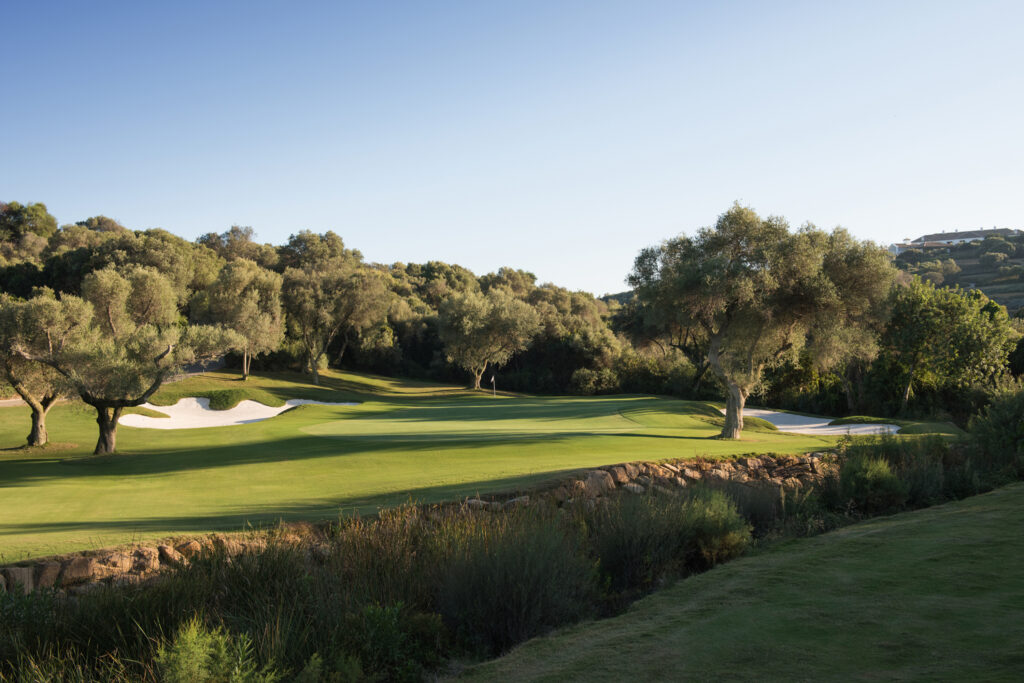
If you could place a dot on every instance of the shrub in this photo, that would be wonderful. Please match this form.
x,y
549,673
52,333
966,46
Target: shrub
x,y
870,484
997,435
587,382
509,577
718,531
636,539
641,540
395,643
992,258
199,655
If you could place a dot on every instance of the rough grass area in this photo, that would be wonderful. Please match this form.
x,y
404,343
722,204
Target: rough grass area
x,y
935,594
906,426
406,440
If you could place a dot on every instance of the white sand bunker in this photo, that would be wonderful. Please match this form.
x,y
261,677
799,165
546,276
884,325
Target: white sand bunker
x,y
195,413
801,424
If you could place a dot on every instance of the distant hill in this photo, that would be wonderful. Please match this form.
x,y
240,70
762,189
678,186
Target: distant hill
x,y
994,265
621,297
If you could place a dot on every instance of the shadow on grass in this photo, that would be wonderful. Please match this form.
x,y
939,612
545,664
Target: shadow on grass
x,y
266,516
26,471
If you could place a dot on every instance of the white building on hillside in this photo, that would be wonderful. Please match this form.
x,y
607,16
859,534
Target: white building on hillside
x,y
945,239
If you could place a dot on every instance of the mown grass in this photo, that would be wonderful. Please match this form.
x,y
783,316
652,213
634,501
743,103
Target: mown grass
x,y
934,594
404,440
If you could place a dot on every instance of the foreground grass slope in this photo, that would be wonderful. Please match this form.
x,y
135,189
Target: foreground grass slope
x,y
936,594
405,440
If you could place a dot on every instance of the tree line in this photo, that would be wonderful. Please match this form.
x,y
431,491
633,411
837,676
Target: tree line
x,y
747,307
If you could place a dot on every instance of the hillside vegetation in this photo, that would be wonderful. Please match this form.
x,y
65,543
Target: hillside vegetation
x,y
929,595
994,265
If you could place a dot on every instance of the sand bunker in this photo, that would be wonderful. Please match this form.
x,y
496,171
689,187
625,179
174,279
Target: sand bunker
x,y
801,424
194,413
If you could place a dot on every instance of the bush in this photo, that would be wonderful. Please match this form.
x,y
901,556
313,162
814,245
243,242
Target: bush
x,y
636,539
718,531
642,540
870,484
396,643
200,655
997,435
992,258
587,382
509,577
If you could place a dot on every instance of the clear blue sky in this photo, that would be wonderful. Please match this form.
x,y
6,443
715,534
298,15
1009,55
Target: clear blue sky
x,y
558,137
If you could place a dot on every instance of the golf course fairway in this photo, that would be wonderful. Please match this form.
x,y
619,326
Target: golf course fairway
x,y
403,441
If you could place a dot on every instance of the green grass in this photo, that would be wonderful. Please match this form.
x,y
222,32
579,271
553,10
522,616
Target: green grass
x,y
935,594
906,426
405,440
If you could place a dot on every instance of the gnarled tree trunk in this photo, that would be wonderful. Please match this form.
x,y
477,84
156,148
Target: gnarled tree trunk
x,y
734,411
314,368
906,392
106,418
477,375
737,396
38,435
39,406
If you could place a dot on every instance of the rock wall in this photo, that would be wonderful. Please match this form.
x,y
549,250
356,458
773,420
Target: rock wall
x,y
82,571
786,472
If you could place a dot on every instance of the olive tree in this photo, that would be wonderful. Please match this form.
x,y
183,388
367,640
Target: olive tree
x,y
117,343
40,386
332,300
245,298
485,329
753,292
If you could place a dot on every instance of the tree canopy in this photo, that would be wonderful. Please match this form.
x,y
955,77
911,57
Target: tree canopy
x,y
246,299
485,329
753,292
117,343
939,335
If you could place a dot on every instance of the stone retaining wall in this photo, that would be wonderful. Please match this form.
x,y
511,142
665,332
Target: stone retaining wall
x,y
82,571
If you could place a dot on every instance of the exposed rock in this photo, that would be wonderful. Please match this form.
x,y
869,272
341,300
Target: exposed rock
x,y
634,488
170,556
145,559
671,468
631,469
619,475
679,481
598,482
691,473
189,549
643,480
515,502
19,576
118,562
46,574
477,504
77,570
